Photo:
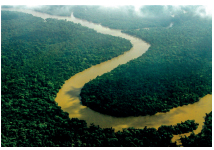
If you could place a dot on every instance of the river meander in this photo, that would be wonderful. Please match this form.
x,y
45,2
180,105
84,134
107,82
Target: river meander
x,y
69,100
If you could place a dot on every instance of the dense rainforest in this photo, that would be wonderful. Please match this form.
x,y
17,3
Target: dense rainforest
x,y
37,57
175,71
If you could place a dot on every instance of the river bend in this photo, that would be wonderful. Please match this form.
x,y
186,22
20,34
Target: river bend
x,y
69,100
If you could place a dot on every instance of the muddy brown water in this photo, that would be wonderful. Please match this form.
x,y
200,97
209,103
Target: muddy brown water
x,y
68,95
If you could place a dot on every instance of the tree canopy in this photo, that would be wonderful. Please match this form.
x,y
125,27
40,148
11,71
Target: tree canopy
x,y
38,55
175,71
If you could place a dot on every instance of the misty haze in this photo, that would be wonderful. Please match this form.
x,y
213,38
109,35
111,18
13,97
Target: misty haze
x,y
106,76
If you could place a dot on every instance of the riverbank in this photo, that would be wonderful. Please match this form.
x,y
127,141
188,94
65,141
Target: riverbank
x,y
68,96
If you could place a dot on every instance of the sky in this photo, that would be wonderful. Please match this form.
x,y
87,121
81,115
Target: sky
x,y
108,2
115,3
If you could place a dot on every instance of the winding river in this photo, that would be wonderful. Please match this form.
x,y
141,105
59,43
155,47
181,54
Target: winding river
x,y
68,95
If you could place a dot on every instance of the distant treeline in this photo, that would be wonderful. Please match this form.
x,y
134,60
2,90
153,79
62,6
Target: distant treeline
x,y
125,17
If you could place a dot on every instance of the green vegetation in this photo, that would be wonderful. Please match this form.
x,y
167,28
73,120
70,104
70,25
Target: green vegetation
x,y
58,10
204,138
175,71
121,18
126,17
183,127
116,18
36,58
